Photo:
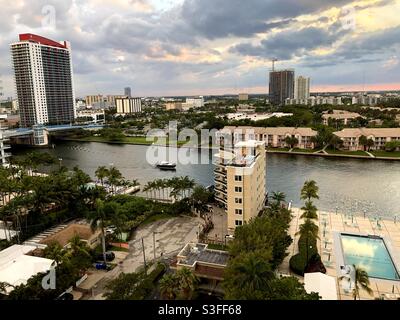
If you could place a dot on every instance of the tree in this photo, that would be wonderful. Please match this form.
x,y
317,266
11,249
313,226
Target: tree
x,y
361,282
55,251
336,142
363,141
247,277
309,211
98,221
391,146
309,190
187,283
289,288
309,232
168,287
370,144
278,197
291,141
124,287
115,178
102,173
200,197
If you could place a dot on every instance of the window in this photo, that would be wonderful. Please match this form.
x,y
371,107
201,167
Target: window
x,y
238,189
238,178
238,200
239,211
238,222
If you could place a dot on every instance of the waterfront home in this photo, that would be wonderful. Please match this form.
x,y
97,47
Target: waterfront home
x,y
380,136
274,137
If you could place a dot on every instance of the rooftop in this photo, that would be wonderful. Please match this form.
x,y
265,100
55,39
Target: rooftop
x,y
17,266
375,132
199,253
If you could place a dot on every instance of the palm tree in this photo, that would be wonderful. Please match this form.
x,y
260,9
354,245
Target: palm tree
x,y
55,251
308,230
361,282
102,173
187,282
309,190
98,221
309,211
168,286
246,275
115,178
278,197
370,144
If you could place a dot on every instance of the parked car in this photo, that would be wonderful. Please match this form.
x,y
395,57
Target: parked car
x,y
110,256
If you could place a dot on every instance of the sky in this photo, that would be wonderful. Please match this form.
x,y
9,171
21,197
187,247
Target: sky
x,y
205,47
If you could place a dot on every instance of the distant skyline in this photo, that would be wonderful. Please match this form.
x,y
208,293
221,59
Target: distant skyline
x,y
207,47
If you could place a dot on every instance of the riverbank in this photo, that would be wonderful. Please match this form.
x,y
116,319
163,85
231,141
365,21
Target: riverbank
x,y
337,154
138,141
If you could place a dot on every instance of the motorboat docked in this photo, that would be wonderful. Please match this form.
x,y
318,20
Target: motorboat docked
x,y
165,165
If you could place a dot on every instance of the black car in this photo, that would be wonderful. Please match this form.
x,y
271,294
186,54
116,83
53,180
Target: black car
x,y
110,256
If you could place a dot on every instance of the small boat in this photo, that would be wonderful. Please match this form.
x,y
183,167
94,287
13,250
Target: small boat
x,y
165,165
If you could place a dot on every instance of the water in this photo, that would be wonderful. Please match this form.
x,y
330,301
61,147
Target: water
x,y
352,185
369,254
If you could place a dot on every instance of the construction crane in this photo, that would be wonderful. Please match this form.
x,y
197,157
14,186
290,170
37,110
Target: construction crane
x,y
273,63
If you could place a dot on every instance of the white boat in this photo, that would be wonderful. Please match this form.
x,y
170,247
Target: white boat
x,y
165,165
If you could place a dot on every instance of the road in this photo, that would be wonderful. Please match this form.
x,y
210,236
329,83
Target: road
x,y
171,236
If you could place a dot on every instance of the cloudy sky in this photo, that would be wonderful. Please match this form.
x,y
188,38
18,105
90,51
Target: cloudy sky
x,y
190,47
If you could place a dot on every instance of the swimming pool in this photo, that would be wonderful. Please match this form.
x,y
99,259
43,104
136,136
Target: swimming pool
x,y
369,253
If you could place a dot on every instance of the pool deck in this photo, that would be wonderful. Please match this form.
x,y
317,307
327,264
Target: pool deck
x,y
328,247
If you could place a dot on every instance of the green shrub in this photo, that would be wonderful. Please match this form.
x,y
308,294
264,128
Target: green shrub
x,y
298,263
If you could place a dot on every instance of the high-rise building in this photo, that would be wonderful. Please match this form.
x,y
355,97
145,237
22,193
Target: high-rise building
x,y
281,86
302,88
128,105
240,180
128,92
44,80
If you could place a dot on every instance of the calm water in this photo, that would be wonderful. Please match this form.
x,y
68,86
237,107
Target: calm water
x,y
352,185
369,254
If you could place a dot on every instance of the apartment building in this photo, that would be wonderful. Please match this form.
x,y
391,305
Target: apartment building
x,y
380,136
302,88
240,180
315,101
43,80
3,147
243,97
281,86
273,137
128,105
342,116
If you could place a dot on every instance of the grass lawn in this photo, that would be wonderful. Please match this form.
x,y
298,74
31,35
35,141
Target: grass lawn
x,y
126,140
304,150
348,153
216,247
381,153
278,149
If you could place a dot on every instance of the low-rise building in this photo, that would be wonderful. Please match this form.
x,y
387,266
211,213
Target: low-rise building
x,y
91,116
342,116
4,146
176,105
315,101
274,137
17,266
256,116
192,103
380,136
207,264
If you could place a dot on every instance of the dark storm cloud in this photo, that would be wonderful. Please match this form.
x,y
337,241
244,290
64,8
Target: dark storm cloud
x,y
288,44
221,18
